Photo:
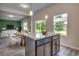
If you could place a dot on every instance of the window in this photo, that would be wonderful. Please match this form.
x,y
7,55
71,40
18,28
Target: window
x,y
25,26
60,24
40,25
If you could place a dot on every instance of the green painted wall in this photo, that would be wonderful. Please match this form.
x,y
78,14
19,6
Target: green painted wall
x,y
4,23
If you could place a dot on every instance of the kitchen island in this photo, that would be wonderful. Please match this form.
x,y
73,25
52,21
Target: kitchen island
x,y
42,45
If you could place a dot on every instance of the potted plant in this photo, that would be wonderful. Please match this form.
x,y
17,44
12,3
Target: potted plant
x,y
44,32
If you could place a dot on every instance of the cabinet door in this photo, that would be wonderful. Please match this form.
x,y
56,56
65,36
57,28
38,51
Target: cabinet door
x,y
44,50
58,45
40,51
55,46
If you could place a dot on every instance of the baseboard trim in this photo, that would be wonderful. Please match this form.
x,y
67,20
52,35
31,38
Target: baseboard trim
x,y
75,48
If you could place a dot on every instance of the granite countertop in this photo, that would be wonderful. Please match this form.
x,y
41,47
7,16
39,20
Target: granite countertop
x,y
39,36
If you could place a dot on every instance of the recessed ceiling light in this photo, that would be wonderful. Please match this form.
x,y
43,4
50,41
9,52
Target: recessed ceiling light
x,y
24,6
64,15
46,16
11,15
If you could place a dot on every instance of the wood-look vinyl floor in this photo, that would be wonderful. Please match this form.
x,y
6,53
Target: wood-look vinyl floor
x,y
12,51
65,51
20,51
5,50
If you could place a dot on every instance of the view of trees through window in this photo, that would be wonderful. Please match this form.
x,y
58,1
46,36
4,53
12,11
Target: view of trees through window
x,y
60,24
40,25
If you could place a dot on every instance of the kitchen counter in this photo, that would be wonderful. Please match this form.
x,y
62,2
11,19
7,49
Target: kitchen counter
x,y
39,36
42,45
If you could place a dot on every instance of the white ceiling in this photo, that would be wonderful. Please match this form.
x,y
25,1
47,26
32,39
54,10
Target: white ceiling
x,y
18,11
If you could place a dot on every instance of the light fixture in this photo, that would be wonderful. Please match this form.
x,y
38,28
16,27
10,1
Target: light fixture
x,y
11,15
64,15
24,5
31,13
46,16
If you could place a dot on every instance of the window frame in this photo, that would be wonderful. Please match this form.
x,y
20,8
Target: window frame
x,y
66,15
40,24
